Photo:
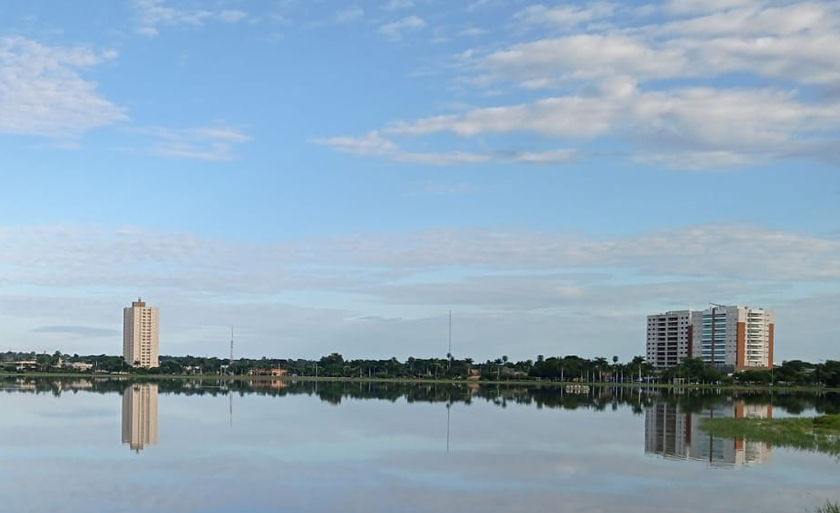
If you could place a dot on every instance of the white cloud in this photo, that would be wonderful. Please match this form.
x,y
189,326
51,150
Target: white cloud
x,y
374,144
317,288
349,15
693,128
583,57
42,92
547,157
231,15
77,257
214,143
396,29
564,16
705,6
395,5
472,32
368,144
656,87
153,14
698,160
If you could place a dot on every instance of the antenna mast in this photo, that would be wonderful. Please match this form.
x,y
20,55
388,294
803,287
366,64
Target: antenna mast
x,y
449,354
230,362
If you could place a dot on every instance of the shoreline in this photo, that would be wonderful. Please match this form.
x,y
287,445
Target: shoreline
x,y
435,381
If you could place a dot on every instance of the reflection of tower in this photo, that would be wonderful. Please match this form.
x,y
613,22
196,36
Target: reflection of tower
x,y
668,431
676,434
448,406
140,415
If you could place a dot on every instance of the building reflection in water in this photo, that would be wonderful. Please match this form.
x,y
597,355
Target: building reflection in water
x,y
140,415
672,433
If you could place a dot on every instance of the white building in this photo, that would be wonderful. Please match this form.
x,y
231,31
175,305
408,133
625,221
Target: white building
x,y
669,338
739,337
734,336
141,337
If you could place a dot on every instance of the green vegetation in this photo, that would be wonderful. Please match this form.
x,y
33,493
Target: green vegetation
x,y
818,434
692,371
829,507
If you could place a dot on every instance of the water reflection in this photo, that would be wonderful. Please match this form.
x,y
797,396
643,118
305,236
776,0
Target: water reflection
x,y
674,433
140,415
379,447
672,417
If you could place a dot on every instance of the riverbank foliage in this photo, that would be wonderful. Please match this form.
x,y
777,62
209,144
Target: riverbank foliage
x,y
817,434
829,507
571,368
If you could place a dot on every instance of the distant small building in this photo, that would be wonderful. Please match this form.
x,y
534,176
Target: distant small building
x,y
26,365
275,372
78,366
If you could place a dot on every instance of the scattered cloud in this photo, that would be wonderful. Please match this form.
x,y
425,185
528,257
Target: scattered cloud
x,y
685,84
215,143
72,256
154,14
231,16
396,29
395,5
374,144
472,32
350,14
43,93
322,286
565,16
693,128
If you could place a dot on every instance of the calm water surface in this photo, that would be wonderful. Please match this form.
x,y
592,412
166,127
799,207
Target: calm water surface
x,y
80,445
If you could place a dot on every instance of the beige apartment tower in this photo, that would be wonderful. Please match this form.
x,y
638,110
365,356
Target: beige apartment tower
x,y
141,335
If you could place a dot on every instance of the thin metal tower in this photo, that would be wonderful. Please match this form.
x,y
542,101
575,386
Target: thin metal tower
x,y
449,354
448,406
230,362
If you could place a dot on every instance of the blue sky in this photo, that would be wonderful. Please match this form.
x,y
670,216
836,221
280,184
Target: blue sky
x,y
336,176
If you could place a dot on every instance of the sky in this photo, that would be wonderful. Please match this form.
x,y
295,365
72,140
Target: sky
x,y
335,176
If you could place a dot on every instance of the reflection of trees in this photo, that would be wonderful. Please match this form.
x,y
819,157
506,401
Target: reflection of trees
x,y
541,396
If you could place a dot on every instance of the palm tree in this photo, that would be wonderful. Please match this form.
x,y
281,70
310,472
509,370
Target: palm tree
x,y
600,365
637,364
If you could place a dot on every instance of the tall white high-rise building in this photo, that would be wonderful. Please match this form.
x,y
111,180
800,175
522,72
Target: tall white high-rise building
x,y
734,336
141,337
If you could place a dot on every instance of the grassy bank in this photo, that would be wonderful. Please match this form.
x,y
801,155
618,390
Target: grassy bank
x,y
829,507
818,434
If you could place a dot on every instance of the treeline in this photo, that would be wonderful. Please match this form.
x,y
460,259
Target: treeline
x,y
555,368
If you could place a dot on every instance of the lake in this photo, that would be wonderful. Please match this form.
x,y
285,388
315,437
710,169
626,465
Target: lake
x,y
187,446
